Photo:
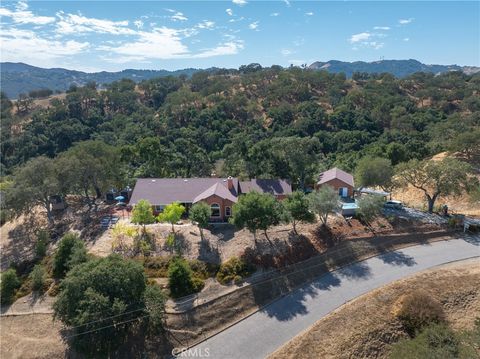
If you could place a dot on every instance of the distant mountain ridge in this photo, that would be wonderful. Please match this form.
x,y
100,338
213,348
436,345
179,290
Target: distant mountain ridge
x,y
398,68
17,78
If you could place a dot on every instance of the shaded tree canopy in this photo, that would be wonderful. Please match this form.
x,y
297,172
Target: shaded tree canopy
x,y
323,202
297,209
256,211
101,293
374,171
437,178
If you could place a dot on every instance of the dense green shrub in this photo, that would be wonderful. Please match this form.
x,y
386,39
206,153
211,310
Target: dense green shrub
x,y
157,266
233,269
155,306
435,341
96,297
41,245
10,283
418,310
181,279
202,269
369,207
70,252
38,278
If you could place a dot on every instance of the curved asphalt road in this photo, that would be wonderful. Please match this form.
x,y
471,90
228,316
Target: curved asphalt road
x,y
268,329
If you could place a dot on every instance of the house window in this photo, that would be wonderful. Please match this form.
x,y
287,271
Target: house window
x,y
159,208
228,211
343,192
215,210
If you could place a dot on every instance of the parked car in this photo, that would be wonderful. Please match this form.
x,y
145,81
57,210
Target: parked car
x,y
393,204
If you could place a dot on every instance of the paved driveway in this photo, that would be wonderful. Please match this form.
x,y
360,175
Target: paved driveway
x,y
267,330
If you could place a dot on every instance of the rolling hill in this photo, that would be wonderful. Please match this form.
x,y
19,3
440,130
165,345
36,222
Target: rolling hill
x,y
19,78
398,68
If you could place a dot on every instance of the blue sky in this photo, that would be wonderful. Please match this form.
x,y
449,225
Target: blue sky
x,y
108,35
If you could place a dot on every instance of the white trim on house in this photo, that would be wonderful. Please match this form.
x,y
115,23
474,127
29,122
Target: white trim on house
x,y
219,211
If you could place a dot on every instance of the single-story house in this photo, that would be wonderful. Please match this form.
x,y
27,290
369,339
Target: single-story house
x,y
340,180
220,193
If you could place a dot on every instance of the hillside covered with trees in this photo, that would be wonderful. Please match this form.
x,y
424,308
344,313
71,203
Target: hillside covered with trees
x,y
251,122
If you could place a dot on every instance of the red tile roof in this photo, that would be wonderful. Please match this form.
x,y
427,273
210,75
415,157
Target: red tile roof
x,y
335,173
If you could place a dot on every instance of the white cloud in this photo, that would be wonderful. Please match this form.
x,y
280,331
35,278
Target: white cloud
x,y
405,21
274,14
360,37
178,16
227,48
406,39
286,52
23,16
253,26
74,24
206,24
239,2
287,2
26,46
229,12
141,42
21,6
161,43
374,44
310,13
236,20
164,44
364,39
381,28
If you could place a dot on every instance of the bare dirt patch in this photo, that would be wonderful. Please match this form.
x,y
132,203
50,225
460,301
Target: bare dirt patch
x,y
366,327
223,241
31,336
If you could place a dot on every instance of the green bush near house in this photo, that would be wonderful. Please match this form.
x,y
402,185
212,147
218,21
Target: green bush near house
x,y
70,252
37,277
155,305
97,297
181,279
233,269
369,207
157,267
10,283
41,245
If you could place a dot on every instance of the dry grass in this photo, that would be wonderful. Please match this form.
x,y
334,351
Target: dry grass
x,y
31,336
366,327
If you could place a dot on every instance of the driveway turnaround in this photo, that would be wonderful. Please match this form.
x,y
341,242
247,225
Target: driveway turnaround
x,y
265,331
